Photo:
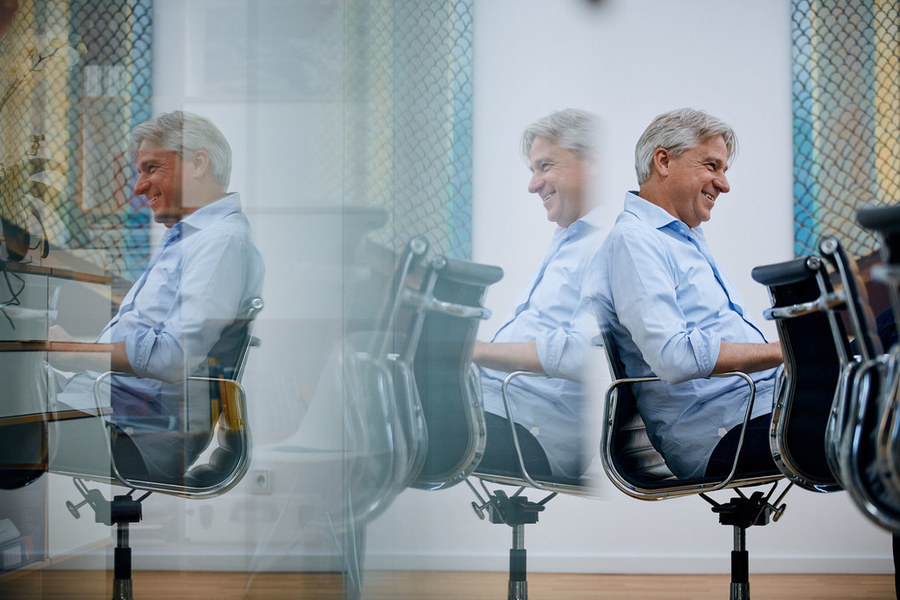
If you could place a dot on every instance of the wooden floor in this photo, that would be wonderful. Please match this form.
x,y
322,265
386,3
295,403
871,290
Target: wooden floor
x,y
159,585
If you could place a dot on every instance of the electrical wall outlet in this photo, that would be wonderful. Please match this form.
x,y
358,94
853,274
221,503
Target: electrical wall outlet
x,y
260,481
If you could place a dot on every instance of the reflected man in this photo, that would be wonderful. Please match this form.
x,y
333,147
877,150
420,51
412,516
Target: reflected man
x,y
202,277
549,330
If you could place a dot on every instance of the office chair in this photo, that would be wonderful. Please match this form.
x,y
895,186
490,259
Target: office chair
x,y
452,293
885,221
817,371
225,466
867,453
449,391
636,468
383,415
408,415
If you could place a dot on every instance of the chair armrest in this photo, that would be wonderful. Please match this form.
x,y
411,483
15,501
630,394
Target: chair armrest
x,y
677,489
512,423
232,411
108,425
554,487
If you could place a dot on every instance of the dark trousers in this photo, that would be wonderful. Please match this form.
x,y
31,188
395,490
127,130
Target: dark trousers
x,y
500,453
756,457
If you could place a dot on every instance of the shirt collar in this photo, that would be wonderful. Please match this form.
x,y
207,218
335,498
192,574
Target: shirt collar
x,y
213,212
591,220
652,214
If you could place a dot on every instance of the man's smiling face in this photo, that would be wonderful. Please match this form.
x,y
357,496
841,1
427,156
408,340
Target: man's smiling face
x,y
695,180
160,180
559,177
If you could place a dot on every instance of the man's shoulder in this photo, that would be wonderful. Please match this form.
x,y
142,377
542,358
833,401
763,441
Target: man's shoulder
x,y
629,226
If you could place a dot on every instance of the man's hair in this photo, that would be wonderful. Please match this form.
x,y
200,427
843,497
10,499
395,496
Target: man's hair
x,y
185,133
571,129
678,131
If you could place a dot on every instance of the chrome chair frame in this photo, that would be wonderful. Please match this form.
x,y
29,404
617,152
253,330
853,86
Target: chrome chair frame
x,y
233,408
870,451
855,416
381,400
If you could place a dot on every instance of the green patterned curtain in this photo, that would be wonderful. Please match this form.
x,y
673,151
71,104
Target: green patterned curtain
x,y
846,105
408,85
75,79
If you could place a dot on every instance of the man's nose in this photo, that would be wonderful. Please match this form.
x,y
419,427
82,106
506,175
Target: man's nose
x,y
140,188
722,184
535,184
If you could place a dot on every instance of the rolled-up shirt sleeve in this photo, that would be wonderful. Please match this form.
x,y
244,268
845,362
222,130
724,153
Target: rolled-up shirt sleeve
x,y
563,350
645,293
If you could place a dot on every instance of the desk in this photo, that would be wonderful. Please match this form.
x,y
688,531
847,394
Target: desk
x,y
32,298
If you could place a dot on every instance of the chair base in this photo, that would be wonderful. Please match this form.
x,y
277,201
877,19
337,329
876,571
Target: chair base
x,y
740,591
741,513
122,590
515,511
120,511
518,590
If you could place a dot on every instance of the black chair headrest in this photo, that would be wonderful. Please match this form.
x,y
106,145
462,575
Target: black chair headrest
x,y
885,219
785,273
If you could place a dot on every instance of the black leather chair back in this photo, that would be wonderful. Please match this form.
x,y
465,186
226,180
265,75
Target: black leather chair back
x,y
815,349
631,452
450,396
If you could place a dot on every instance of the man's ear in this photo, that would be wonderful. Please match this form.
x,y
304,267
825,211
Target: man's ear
x,y
661,158
199,163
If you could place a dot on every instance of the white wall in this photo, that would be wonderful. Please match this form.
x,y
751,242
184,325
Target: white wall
x,y
627,62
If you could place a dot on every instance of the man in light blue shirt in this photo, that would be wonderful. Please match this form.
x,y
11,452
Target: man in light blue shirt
x,y
200,280
549,329
671,310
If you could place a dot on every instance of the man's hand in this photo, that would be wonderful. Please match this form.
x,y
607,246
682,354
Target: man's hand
x,y
508,357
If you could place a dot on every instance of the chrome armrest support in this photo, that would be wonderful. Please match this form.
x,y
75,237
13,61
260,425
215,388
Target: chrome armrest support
x,y
428,302
829,301
526,476
512,423
108,424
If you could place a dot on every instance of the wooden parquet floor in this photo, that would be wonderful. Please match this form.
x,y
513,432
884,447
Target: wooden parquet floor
x,y
445,585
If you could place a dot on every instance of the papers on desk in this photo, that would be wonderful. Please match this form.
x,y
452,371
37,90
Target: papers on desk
x,y
22,313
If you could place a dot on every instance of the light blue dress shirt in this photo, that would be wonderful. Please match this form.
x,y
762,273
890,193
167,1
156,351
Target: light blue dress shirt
x,y
669,306
552,312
